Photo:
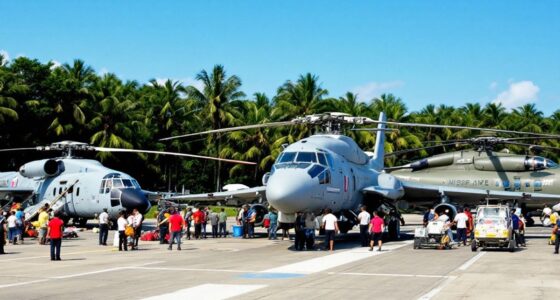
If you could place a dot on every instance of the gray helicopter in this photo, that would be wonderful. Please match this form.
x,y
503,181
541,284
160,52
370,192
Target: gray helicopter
x,y
325,170
78,188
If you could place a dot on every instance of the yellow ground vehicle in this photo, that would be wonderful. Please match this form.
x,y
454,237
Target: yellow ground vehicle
x,y
493,227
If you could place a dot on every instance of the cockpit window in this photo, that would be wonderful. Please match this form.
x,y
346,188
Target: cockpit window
x,y
287,157
551,164
315,170
306,157
127,183
322,158
325,177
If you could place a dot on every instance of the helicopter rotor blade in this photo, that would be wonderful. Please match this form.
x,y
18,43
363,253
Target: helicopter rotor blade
x,y
533,145
104,149
417,149
463,127
26,149
264,125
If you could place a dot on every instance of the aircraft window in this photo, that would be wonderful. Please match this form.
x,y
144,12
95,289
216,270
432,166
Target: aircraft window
x,y
315,170
102,187
136,184
127,183
114,202
551,164
287,157
54,191
322,158
325,177
330,160
279,157
60,190
527,184
117,183
108,185
306,157
78,192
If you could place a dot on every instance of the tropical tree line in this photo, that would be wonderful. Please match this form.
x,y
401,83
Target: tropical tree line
x,y
41,103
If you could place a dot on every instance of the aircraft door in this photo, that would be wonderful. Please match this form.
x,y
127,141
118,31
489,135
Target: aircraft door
x,y
69,198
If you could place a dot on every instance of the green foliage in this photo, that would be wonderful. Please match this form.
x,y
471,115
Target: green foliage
x,y
43,103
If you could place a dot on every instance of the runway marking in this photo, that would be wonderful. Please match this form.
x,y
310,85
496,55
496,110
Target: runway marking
x,y
437,289
334,260
79,274
390,275
22,283
209,291
270,275
471,261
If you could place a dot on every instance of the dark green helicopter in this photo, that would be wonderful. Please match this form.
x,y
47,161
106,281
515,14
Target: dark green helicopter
x,y
479,174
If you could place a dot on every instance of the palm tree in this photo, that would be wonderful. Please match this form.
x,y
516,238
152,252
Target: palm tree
x,y
527,118
7,106
215,97
70,94
494,115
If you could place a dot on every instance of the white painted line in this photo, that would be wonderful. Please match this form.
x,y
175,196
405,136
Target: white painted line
x,y
104,270
22,283
209,291
334,260
437,289
471,261
392,275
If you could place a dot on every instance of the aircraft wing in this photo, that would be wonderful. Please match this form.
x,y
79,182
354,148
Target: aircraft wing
x,y
229,197
473,194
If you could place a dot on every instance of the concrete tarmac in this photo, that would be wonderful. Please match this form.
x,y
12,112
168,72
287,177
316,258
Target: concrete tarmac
x,y
263,269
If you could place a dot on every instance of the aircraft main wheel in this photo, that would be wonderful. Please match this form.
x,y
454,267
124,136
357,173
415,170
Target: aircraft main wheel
x,y
474,246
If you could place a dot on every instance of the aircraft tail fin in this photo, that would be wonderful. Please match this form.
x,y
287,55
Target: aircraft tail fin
x,y
377,161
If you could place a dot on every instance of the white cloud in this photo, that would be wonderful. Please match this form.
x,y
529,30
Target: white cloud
x,y
374,89
55,64
103,71
517,94
493,85
4,54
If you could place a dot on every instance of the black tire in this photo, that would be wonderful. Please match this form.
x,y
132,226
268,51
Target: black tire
x,y
474,246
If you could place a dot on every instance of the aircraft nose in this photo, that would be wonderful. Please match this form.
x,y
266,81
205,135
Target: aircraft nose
x,y
134,198
290,192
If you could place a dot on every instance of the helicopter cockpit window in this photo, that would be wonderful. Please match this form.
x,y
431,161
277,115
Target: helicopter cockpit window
x,y
293,166
322,158
117,182
128,183
306,157
551,164
325,177
315,170
287,157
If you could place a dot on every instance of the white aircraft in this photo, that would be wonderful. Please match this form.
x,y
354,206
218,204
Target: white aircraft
x,y
79,188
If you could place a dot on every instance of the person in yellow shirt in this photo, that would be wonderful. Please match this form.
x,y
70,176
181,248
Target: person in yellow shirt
x,y
43,221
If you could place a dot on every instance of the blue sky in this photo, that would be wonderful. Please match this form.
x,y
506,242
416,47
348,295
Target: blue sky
x,y
449,52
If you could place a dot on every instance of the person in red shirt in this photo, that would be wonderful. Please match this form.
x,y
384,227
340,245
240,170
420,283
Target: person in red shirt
x,y
176,224
376,229
198,218
54,232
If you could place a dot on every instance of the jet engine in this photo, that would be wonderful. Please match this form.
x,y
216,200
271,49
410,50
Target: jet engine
x,y
42,168
441,208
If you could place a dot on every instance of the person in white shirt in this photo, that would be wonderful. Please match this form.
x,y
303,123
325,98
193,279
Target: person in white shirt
x,y
444,217
461,220
330,223
12,228
364,217
103,227
121,226
137,224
